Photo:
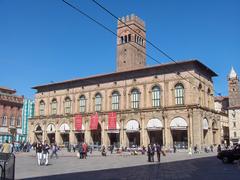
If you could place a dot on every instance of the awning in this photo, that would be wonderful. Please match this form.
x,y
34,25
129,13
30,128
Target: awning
x,y
51,129
132,126
154,124
80,131
178,123
117,127
205,124
64,128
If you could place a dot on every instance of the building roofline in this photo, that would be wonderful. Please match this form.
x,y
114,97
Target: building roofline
x,y
7,90
196,62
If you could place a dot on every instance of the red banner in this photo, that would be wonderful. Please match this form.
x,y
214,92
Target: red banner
x,y
94,121
78,122
112,120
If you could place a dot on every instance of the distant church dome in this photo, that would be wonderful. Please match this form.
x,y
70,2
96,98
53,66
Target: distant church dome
x,y
232,73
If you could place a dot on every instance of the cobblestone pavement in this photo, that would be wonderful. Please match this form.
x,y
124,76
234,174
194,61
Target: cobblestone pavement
x,y
124,167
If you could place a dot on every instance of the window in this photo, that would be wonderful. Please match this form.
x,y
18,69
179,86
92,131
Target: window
x,y
115,100
235,134
42,108
4,120
179,94
122,40
129,37
54,107
82,104
67,105
98,102
155,96
135,99
125,38
234,124
12,120
19,121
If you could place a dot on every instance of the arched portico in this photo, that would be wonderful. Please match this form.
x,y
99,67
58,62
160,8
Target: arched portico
x,y
133,133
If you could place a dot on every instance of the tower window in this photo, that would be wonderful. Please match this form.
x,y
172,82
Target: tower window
x,y
129,38
122,40
125,39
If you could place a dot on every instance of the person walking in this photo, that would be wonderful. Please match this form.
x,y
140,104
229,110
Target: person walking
x,y
159,150
174,148
45,152
152,153
39,149
6,147
149,152
104,151
84,146
219,148
54,150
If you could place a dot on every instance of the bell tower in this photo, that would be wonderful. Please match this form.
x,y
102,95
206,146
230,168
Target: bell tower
x,y
131,45
233,89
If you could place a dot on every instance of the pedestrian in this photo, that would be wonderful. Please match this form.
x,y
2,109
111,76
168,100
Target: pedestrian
x,y
174,148
104,151
211,147
45,152
111,148
39,149
84,150
152,153
149,152
80,150
219,148
54,150
195,149
6,147
159,150
74,147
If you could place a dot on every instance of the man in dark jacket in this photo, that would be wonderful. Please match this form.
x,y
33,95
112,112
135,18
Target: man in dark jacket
x,y
159,150
149,152
39,149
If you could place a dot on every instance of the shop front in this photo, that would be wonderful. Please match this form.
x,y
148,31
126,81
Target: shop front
x,y
38,134
179,133
51,133
154,128
64,132
133,133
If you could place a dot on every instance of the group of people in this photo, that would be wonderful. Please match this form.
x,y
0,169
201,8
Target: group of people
x,y
42,151
152,149
82,149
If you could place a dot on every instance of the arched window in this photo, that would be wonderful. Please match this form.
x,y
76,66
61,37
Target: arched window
x,y
12,120
42,108
115,100
122,40
67,105
156,96
98,102
54,107
129,37
4,120
19,121
235,134
82,104
135,99
179,94
125,38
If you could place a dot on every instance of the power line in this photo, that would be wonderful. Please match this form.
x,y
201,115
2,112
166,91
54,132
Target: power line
x,y
112,32
153,45
106,28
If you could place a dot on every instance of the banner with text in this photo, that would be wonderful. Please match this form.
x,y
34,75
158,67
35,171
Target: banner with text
x,y
112,120
78,122
94,121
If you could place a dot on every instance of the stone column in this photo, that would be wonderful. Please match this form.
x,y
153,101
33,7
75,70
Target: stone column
x,y
58,137
121,133
87,133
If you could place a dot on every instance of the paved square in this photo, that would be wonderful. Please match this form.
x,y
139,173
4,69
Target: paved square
x,y
172,166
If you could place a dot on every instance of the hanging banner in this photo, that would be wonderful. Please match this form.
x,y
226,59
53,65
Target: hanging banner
x,y
78,122
112,120
94,121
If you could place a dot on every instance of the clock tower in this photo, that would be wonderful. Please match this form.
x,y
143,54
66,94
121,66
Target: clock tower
x,y
131,45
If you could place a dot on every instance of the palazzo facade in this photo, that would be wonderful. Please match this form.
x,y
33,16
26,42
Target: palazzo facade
x,y
134,106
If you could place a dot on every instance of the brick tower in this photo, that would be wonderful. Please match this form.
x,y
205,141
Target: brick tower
x,y
233,89
131,46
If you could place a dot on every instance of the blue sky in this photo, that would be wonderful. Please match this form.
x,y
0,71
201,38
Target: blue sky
x,y
44,41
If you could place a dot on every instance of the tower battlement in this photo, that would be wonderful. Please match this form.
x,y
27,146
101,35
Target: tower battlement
x,y
130,19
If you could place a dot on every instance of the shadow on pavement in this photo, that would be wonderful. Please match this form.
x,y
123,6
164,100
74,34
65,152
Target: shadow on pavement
x,y
202,168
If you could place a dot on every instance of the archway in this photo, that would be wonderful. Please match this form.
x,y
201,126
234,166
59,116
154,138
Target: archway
x,y
51,133
96,135
64,131
205,131
80,135
114,136
133,134
179,133
38,133
154,128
